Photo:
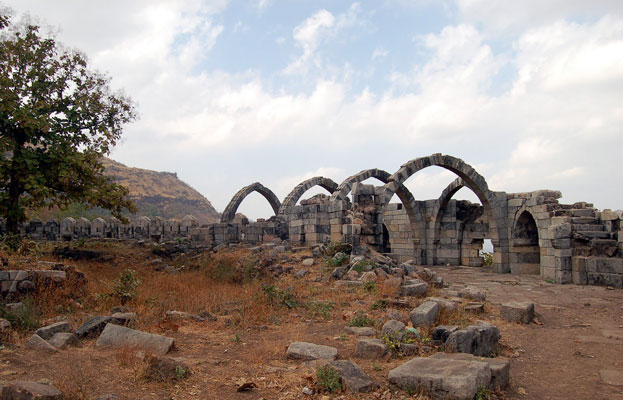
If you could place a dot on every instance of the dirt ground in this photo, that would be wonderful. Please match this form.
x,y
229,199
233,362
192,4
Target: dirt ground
x,y
579,332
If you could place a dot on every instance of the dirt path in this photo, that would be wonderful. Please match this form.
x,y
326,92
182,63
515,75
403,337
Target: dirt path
x,y
582,333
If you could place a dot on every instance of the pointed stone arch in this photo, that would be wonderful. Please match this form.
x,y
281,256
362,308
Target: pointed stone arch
x,y
299,190
494,206
234,203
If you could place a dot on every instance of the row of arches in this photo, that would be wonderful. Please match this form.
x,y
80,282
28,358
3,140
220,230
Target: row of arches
x,y
426,230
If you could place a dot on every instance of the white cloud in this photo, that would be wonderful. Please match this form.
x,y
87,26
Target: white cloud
x,y
310,33
379,52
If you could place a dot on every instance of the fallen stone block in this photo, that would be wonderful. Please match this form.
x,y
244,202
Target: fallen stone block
x,y
393,329
37,343
611,377
62,340
24,390
47,332
4,325
480,340
355,380
124,318
308,262
444,378
442,332
444,304
116,336
517,312
369,276
415,290
361,331
370,348
472,293
93,327
310,351
424,314
474,307
500,367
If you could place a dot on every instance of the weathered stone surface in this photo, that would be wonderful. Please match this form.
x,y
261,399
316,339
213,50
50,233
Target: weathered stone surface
x,y
444,378
107,397
361,330
355,380
24,390
517,312
480,340
93,326
394,329
392,284
4,325
444,304
124,318
308,262
166,369
310,351
500,367
472,293
415,290
424,314
369,276
47,332
474,307
301,273
442,332
37,343
119,336
62,340
370,348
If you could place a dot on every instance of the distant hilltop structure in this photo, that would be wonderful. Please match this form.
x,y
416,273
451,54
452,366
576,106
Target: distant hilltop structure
x,y
531,233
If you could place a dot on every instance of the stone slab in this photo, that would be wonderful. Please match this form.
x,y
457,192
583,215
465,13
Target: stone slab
x,y
116,336
310,351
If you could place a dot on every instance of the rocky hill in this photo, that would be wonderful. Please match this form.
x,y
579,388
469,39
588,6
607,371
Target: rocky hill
x,y
161,193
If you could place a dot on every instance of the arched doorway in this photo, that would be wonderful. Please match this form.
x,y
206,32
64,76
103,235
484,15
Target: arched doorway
x,y
525,255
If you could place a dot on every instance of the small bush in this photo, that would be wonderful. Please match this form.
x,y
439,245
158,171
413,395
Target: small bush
x,y
360,319
483,393
488,258
320,308
365,265
125,285
276,296
22,319
338,260
370,287
379,305
338,247
328,379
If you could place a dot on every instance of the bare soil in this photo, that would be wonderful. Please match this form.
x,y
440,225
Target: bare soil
x,y
579,331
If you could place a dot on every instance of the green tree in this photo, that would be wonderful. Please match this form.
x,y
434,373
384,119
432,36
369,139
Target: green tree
x,y
57,120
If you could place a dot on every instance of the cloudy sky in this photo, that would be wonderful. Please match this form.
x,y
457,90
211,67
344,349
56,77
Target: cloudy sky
x,y
528,92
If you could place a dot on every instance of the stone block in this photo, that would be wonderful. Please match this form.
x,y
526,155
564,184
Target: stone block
x,y
24,390
517,312
424,314
499,366
310,351
62,340
47,332
415,290
480,339
393,329
353,377
444,378
116,336
370,348
37,343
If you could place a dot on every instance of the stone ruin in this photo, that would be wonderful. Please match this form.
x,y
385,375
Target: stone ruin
x,y
531,233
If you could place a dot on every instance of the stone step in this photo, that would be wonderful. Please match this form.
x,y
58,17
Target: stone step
x,y
604,242
588,227
584,220
595,234
583,212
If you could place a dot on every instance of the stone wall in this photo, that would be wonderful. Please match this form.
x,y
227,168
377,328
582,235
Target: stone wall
x,y
532,232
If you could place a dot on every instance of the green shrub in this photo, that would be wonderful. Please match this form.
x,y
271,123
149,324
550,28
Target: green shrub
x,y
379,305
483,393
338,247
488,258
369,287
320,308
328,379
365,265
126,284
22,319
276,296
360,319
338,260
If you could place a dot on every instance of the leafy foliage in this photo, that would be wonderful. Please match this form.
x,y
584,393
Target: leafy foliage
x,y
57,120
488,258
328,379
126,284
278,296
23,318
360,319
